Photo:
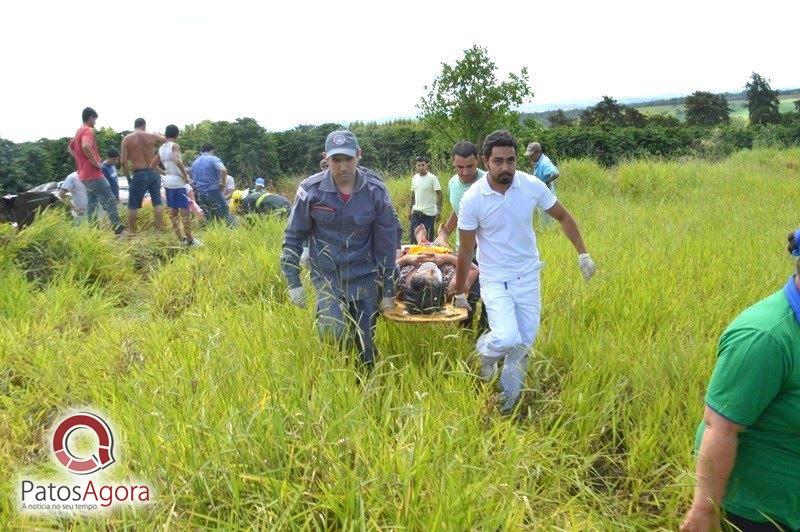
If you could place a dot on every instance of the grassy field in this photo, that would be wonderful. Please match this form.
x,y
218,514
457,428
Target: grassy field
x,y
223,399
738,108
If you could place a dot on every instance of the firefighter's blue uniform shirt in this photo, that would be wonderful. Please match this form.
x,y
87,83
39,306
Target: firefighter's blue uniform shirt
x,y
352,244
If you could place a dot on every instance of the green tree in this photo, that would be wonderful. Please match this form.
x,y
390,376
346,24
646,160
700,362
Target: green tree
x,y
606,111
797,106
107,138
466,100
393,146
558,118
251,151
631,116
300,148
609,112
762,101
663,120
61,162
707,109
29,167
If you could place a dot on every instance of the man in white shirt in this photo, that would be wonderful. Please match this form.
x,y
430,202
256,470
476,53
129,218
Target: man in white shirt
x,y
497,212
230,186
426,199
78,200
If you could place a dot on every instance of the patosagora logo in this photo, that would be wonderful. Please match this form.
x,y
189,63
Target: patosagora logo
x,y
104,456
82,462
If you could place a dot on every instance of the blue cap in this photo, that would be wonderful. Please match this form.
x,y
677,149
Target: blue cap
x,y
341,141
260,181
796,244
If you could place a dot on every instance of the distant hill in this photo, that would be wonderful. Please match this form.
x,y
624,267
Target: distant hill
x,y
737,101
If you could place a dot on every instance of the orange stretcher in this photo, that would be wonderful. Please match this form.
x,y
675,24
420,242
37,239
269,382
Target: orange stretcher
x,y
449,314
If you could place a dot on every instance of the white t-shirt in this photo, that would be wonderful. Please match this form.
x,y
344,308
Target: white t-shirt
x,y
425,187
504,225
77,189
173,179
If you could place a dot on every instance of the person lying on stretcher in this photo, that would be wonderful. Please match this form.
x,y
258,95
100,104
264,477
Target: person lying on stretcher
x,y
426,275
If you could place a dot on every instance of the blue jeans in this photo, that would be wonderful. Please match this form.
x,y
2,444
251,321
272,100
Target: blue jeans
x,y
348,322
214,206
99,191
144,180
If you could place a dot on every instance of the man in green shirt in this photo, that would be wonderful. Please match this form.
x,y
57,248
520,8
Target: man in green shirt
x,y
465,161
748,445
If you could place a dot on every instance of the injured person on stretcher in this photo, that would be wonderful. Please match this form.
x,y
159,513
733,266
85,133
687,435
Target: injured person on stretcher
x,y
426,275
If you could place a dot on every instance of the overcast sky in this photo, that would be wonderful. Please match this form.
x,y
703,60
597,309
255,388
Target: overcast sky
x,y
309,62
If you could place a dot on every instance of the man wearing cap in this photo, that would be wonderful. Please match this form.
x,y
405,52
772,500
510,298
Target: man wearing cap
x,y
545,170
350,222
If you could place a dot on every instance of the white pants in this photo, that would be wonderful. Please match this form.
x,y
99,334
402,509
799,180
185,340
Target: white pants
x,y
514,310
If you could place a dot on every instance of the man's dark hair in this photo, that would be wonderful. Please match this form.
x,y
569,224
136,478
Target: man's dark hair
x,y
172,131
207,147
112,152
500,138
88,113
424,295
464,149
422,159
139,122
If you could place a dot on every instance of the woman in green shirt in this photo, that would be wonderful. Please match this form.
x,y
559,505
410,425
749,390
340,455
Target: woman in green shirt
x,y
748,445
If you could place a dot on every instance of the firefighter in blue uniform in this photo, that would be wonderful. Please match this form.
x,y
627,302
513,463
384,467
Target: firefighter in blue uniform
x,y
348,218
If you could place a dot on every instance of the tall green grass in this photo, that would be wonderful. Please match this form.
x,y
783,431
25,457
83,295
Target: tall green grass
x,y
224,400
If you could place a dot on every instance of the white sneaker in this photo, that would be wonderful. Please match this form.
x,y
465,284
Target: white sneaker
x,y
194,243
488,364
480,344
488,369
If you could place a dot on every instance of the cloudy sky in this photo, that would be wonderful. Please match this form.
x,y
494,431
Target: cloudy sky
x,y
306,62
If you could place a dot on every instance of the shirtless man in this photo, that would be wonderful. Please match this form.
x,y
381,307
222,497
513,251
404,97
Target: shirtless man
x,y
138,149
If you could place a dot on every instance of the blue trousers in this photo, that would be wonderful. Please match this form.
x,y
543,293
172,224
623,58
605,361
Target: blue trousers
x,y
350,322
214,206
99,191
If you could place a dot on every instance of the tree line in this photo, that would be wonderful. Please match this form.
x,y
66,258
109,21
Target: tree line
x,y
248,150
466,100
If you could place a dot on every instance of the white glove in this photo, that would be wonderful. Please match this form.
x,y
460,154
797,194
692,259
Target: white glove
x,y
387,303
460,301
298,296
304,258
586,265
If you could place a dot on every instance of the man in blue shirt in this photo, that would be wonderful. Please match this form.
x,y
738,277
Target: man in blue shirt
x,y
109,169
209,177
347,217
545,170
